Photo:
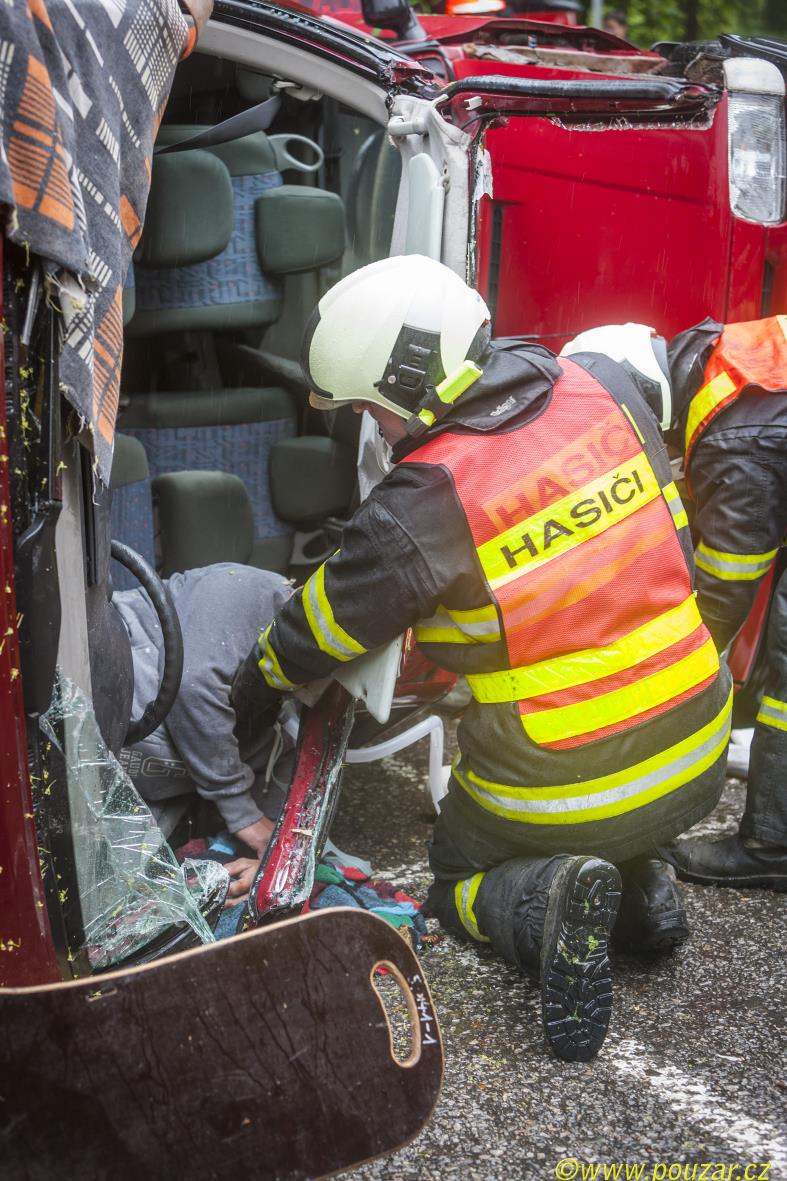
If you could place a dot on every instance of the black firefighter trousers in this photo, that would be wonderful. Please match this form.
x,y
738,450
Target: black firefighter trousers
x,y
765,817
487,891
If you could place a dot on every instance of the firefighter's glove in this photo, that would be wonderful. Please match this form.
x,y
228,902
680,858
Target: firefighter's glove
x,y
255,703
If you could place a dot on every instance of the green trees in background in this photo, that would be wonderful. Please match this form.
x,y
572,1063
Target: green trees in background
x,y
692,20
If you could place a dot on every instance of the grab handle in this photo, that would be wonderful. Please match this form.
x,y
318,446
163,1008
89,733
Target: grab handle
x,y
285,159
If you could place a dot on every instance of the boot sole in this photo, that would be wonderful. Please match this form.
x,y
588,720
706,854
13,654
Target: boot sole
x,y
576,979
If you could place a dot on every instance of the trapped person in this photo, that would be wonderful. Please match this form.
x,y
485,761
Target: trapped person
x,y
531,533
196,748
730,390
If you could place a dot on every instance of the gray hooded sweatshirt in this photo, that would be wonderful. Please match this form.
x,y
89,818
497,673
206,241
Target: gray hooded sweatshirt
x,y
222,610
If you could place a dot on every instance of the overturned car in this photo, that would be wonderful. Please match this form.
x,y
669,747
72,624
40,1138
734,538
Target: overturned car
x,y
289,151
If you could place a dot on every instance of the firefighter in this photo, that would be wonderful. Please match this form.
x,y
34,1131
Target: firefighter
x,y
531,533
729,385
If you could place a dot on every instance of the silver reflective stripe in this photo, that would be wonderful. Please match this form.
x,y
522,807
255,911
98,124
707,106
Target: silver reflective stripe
x,y
737,567
675,506
679,770
467,914
442,621
269,663
275,681
337,645
465,905
734,567
773,713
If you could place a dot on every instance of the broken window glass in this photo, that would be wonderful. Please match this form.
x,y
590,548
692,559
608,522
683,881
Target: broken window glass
x,y
131,888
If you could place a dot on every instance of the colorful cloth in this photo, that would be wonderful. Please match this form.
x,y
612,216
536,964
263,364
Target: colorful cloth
x,y
82,91
337,885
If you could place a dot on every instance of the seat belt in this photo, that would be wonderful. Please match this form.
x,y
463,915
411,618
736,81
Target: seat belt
x,y
258,118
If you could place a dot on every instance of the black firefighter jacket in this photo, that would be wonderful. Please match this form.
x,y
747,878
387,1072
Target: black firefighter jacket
x,y
408,554
738,484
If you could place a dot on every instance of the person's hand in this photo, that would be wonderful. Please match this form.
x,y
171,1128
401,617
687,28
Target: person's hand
x,y
200,10
242,871
257,836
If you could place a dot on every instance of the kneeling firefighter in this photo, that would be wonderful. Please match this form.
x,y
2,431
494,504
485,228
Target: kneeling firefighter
x,y
530,532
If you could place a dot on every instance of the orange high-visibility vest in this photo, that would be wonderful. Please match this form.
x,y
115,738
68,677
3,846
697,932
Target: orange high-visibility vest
x,y
750,355
578,543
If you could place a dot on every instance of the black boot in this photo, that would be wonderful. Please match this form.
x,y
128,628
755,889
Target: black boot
x,y
729,862
652,916
576,981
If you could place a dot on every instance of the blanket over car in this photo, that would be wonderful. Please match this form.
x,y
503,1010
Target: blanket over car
x,y
83,87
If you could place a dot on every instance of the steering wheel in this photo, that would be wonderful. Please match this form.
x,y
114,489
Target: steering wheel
x,y
155,711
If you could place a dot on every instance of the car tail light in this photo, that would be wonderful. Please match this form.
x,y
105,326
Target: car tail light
x,y
757,150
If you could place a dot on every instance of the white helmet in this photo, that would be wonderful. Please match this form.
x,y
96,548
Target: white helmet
x,y
639,348
391,333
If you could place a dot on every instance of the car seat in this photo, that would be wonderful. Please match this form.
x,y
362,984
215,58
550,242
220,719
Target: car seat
x,y
221,232
131,512
202,516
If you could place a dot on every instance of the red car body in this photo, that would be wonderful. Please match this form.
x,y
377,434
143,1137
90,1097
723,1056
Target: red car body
x,y
25,939
576,219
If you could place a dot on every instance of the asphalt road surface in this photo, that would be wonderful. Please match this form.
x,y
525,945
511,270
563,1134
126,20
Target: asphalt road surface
x,y
693,1068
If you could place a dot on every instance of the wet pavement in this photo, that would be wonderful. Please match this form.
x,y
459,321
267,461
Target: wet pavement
x,y
693,1068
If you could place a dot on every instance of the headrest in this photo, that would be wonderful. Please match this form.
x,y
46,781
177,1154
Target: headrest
x,y
299,229
213,289
129,462
190,211
204,517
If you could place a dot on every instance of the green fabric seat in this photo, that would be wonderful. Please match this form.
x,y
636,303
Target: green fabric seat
x,y
311,478
228,430
200,270
203,517
131,514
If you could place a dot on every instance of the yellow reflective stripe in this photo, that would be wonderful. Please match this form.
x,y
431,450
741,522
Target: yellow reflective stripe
x,y
329,635
432,633
591,664
733,567
577,517
483,614
569,721
479,625
634,426
745,559
608,795
773,713
675,505
464,900
705,402
269,663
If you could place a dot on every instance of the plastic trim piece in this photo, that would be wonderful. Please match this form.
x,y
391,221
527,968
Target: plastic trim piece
x,y
587,104
754,76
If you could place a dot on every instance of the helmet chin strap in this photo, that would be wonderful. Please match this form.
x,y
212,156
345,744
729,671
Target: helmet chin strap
x,y
438,399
